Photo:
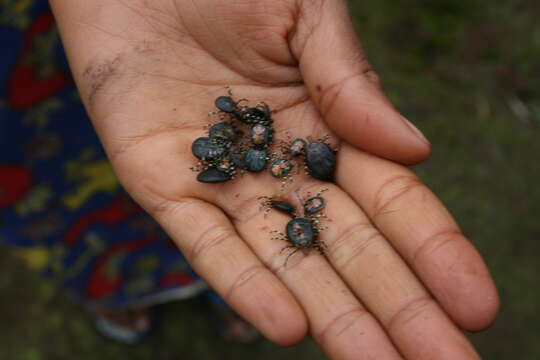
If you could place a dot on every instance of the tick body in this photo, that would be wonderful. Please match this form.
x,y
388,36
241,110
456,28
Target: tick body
x,y
320,160
226,104
260,135
314,204
255,160
282,206
259,114
223,132
205,149
238,159
298,147
280,168
301,233
226,166
212,176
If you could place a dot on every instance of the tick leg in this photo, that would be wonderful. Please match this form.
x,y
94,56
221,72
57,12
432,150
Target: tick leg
x,y
288,247
320,248
291,254
220,115
279,236
264,107
322,191
239,101
325,139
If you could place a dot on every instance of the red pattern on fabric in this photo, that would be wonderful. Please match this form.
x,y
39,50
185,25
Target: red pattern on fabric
x,y
118,210
175,279
14,183
99,285
25,88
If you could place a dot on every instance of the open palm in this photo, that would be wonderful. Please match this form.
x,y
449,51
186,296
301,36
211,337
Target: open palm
x,y
398,278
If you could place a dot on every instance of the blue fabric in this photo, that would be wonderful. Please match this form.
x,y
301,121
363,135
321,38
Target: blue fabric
x,y
61,208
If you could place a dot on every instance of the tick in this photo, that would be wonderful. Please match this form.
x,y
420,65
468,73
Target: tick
x,y
255,160
320,160
261,135
298,147
302,232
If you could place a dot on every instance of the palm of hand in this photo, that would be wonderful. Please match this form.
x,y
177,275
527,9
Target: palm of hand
x,y
388,235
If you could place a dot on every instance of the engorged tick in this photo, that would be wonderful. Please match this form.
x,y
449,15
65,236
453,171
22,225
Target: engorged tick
x,y
205,149
261,135
280,205
320,160
226,104
314,203
280,168
223,132
298,147
255,160
260,114
212,176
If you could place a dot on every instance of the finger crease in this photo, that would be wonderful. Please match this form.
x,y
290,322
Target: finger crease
x,y
244,277
342,322
332,92
210,239
356,249
409,311
391,191
436,241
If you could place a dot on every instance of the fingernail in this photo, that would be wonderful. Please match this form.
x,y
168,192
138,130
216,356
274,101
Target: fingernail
x,y
416,132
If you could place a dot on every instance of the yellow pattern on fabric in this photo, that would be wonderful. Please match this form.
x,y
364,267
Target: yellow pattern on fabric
x,y
36,258
94,177
15,13
34,201
94,246
147,264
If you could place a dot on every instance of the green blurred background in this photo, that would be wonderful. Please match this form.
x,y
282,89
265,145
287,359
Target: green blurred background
x,y
467,73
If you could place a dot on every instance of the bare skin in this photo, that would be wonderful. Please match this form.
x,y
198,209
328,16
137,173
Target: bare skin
x,y
398,281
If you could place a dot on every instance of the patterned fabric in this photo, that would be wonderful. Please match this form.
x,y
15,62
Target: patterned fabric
x,y
61,207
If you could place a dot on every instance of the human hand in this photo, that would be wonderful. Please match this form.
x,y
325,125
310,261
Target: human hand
x,y
398,272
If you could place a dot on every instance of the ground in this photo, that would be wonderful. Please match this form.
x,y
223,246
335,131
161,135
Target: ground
x,y
466,72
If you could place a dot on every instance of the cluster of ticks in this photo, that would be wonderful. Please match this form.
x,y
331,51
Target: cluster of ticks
x,y
241,141
303,230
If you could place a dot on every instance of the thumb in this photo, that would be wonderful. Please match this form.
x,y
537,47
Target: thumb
x,y
345,88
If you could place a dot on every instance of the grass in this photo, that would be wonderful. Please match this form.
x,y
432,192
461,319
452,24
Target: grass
x,y
466,73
